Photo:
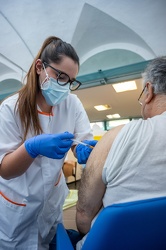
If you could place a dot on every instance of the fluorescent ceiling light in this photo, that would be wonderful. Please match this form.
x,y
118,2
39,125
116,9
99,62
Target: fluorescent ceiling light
x,y
102,107
124,86
114,116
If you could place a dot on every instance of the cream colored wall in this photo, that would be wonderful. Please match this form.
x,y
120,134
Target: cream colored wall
x,y
70,156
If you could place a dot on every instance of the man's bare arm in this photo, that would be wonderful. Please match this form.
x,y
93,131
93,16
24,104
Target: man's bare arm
x,y
92,188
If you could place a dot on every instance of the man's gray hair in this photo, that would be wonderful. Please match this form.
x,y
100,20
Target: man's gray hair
x,y
155,73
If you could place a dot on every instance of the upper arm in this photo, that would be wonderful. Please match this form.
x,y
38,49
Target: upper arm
x,y
92,187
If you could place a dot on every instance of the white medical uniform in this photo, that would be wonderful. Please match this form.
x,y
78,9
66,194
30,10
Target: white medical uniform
x,y
31,204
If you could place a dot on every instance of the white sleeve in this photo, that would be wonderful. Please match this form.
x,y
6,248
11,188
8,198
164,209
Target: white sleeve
x,y
10,134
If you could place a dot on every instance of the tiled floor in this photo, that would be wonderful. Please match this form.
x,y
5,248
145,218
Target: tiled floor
x,y
69,214
69,218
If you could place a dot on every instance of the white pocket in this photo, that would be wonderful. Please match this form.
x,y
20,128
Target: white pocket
x,y
11,214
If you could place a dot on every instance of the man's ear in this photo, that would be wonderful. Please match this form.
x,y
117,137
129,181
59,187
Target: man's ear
x,y
149,92
39,66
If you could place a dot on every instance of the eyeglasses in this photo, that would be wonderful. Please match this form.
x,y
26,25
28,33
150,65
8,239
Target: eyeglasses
x,y
139,99
63,79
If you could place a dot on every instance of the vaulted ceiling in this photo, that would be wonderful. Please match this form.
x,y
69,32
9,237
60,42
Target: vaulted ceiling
x,y
113,38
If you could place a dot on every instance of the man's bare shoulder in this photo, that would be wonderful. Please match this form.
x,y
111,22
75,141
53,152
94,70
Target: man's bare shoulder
x,y
112,133
100,152
109,137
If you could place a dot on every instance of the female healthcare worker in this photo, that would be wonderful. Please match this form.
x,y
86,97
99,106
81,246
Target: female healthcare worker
x,y
37,126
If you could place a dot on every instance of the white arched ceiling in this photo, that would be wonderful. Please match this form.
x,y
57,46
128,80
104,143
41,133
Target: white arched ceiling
x,y
145,54
8,87
11,77
104,60
9,70
105,33
91,26
98,32
96,28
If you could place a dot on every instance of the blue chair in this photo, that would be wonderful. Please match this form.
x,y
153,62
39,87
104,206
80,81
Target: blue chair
x,y
138,225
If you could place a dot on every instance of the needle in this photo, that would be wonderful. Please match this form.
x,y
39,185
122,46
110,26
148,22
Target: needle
x,y
83,143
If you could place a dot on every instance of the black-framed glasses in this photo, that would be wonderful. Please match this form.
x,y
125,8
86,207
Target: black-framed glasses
x,y
63,79
139,98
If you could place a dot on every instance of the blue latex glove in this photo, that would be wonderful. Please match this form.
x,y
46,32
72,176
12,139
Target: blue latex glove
x,y
83,152
52,146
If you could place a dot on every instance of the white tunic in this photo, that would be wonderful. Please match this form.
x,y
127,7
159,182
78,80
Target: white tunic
x,y
31,204
135,168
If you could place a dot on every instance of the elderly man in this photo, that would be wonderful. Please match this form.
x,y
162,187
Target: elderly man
x,y
129,163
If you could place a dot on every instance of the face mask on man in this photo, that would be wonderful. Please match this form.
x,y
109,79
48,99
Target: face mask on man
x,y
53,92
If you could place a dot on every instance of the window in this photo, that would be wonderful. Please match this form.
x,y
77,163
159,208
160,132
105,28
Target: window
x,y
112,124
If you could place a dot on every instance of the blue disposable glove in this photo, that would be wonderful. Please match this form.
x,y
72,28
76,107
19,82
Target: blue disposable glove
x,y
83,152
52,146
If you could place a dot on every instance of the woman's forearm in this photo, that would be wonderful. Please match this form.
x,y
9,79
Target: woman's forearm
x,y
15,164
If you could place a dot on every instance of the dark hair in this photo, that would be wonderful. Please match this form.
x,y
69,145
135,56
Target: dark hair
x,y
56,50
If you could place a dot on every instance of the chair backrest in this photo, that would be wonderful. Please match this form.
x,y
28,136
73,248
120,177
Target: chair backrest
x,y
62,239
139,225
69,168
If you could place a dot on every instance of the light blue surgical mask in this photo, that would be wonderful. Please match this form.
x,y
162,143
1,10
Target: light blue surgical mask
x,y
53,92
